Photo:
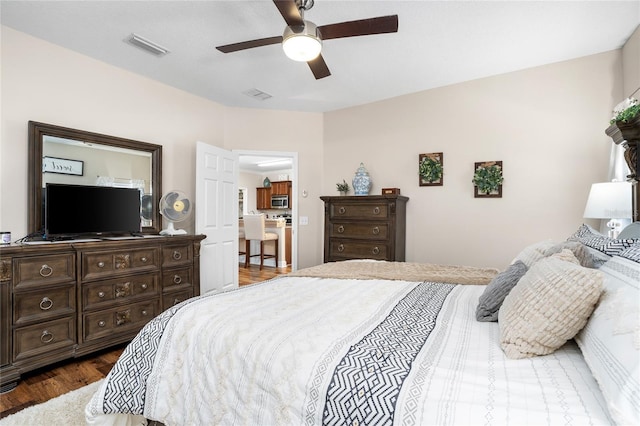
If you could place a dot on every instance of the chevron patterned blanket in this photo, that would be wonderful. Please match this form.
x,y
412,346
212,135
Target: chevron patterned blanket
x,y
313,351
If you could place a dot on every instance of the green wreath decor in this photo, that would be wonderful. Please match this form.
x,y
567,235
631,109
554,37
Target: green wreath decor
x,y
488,178
430,170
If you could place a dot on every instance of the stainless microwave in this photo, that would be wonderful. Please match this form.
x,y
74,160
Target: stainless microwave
x,y
279,201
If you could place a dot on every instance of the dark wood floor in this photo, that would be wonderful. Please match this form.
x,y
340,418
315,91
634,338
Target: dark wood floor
x,y
41,385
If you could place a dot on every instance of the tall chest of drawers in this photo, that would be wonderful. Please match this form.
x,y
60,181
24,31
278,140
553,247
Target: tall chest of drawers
x,y
63,300
365,227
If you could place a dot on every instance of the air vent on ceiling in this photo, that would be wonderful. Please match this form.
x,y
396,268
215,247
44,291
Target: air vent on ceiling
x,y
147,45
257,94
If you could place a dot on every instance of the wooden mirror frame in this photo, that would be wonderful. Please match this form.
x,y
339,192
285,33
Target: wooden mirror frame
x,y
37,131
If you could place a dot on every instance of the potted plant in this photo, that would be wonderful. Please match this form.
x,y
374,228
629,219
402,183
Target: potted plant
x,y
625,123
488,177
342,187
624,129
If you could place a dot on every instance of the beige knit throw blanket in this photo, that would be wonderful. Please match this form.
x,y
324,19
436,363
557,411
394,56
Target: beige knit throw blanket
x,y
407,271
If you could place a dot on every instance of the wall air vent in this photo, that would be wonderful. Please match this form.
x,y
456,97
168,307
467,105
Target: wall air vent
x,y
147,45
257,94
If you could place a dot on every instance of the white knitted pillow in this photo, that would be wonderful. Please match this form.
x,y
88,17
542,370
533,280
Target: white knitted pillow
x,y
549,305
534,252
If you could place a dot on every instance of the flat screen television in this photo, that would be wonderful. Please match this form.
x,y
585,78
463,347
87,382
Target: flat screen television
x,y
77,210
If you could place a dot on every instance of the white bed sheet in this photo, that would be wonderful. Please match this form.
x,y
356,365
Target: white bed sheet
x,y
222,361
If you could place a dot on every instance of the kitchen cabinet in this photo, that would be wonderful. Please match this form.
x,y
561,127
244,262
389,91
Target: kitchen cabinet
x,y
263,198
263,195
281,188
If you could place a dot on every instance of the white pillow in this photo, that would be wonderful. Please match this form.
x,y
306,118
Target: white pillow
x,y
534,252
610,342
548,306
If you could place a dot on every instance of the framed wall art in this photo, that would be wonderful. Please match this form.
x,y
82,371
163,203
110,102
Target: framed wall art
x,y
487,179
430,169
62,166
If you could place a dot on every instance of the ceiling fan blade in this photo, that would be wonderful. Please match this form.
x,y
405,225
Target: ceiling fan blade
x,y
289,11
319,67
228,48
379,25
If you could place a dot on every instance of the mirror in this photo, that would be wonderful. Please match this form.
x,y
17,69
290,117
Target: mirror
x,y
62,155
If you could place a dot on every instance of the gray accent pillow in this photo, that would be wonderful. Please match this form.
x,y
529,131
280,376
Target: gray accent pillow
x,y
579,250
630,231
497,290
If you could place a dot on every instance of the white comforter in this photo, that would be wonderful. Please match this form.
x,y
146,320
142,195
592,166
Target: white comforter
x,y
271,353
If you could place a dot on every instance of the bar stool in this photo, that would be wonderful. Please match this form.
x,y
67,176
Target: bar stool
x,y
254,229
241,245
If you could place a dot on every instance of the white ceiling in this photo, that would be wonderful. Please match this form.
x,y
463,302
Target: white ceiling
x,y
438,43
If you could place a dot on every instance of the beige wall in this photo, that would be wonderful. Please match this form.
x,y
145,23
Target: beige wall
x,y
251,129
547,126
631,64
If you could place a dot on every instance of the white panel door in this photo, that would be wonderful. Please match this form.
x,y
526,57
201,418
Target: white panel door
x,y
217,216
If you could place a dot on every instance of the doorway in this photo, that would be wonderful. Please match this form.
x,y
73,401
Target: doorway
x,y
254,167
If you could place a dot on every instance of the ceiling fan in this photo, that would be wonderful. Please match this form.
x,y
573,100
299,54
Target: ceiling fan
x,y
302,39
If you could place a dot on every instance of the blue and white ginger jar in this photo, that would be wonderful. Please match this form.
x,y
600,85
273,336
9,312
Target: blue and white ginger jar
x,y
361,181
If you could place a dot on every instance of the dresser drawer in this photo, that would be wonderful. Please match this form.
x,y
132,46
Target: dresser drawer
x,y
39,270
120,320
356,210
46,303
346,249
176,278
172,299
44,337
177,255
107,263
362,230
104,293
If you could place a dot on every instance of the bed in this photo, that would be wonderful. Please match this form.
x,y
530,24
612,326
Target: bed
x,y
382,343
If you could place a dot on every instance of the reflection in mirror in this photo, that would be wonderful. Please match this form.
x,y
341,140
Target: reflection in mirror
x,y
100,165
69,156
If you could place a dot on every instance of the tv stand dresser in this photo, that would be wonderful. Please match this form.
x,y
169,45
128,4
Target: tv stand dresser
x,y
68,299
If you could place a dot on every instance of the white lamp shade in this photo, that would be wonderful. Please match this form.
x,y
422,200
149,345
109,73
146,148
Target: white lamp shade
x,y
609,200
302,43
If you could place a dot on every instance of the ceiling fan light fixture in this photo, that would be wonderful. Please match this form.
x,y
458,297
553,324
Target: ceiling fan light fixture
x,y
302,43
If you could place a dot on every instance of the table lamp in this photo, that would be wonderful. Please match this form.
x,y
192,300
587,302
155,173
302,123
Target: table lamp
x,y
610,200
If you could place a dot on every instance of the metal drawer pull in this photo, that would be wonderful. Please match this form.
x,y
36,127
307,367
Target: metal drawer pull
x,y
342,210
101,323
376,210
340,229
143,259
176,301
46,271
144,312
341,248
144,286
177,279
101,294
46,337
376,230
100,264
375,250
46,304
177,255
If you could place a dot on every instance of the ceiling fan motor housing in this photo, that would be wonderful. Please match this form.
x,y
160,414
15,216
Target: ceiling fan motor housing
x,y
302,42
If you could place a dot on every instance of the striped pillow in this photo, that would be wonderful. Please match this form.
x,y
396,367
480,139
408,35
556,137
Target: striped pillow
x,y
592,238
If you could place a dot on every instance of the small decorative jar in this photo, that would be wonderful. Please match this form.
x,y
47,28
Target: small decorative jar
x,y
361,181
